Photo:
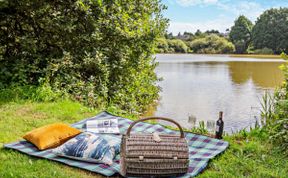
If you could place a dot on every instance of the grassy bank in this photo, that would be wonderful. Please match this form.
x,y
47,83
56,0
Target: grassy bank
x,y
249,154
260,56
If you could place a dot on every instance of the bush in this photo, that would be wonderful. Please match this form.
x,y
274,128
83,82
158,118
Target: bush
x,y
162,46
40,93
263,51
212,44
177,46
278,126
99,52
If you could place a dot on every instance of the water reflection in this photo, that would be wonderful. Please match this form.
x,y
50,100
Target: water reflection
x,y
263,74
205,87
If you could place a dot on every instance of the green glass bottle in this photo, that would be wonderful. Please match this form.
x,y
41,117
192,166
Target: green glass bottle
x,y
219,126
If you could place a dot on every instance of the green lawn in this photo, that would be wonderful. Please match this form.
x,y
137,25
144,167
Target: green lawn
x,y
249,155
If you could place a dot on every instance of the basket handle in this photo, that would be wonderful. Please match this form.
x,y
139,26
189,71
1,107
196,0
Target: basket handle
x,y
153,118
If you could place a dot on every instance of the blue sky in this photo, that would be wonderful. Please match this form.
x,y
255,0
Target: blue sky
x,y
190,15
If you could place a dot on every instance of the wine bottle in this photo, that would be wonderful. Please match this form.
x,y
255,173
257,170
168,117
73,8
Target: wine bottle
x,y
219,126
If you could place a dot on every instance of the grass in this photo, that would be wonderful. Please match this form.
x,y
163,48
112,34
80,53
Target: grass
x,y
249,154
260,56
21,117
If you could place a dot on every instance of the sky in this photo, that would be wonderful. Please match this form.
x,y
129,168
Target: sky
x,y
190,15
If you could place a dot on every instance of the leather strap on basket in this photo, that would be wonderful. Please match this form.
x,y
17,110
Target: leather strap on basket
x,y
153,118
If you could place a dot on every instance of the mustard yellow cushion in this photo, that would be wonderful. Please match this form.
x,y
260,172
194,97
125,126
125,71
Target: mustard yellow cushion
x,y
51,136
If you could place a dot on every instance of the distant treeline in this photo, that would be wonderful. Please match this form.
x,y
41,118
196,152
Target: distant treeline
x,y
269,35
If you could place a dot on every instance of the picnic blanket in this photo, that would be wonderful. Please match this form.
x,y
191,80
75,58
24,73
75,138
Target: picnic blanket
x,y
201,148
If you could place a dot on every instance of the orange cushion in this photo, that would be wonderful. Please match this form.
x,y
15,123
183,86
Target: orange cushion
x,y
51,135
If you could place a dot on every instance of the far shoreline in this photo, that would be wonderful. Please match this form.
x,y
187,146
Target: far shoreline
x,y
260,56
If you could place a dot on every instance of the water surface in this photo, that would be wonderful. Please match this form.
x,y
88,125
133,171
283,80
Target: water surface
x,y
203,85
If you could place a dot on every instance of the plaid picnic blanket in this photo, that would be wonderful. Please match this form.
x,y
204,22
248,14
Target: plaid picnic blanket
x,y
201,148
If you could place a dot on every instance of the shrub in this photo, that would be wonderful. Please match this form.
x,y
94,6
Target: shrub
x,y
263,51
162,46
211,44
177,46
40,93
98,52
278,126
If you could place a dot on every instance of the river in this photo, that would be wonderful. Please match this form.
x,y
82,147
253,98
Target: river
x,y
203,85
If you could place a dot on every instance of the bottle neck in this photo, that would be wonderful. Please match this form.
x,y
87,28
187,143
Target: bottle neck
x,y
220,120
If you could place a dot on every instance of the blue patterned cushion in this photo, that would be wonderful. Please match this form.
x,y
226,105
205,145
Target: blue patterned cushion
x,y
91,147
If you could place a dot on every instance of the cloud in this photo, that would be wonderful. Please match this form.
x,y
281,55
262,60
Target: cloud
x,y
221,24
248,8
231,10
187,3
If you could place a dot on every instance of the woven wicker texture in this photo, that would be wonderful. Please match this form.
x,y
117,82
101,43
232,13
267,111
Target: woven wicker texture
x,y
142,155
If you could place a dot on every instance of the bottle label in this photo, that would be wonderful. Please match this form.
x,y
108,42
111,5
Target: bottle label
x,y
217,128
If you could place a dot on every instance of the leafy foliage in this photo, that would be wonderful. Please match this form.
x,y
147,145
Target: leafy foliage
x,y
201,129
97,51
171,46
267,108
177,46
41,93
270,30
240,34
162,46
211,44
278,127
263,51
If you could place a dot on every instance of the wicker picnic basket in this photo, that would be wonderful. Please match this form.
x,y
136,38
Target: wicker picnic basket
x,y
152,154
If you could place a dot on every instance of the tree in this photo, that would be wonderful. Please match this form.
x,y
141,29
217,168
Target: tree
x,y
211,44
169,35
212,32
162,46
271,30
188,33
178,46
240,34
99,52
198,33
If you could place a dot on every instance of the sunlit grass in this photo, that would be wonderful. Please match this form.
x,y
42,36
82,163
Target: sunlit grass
x,y
249,154
19,118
